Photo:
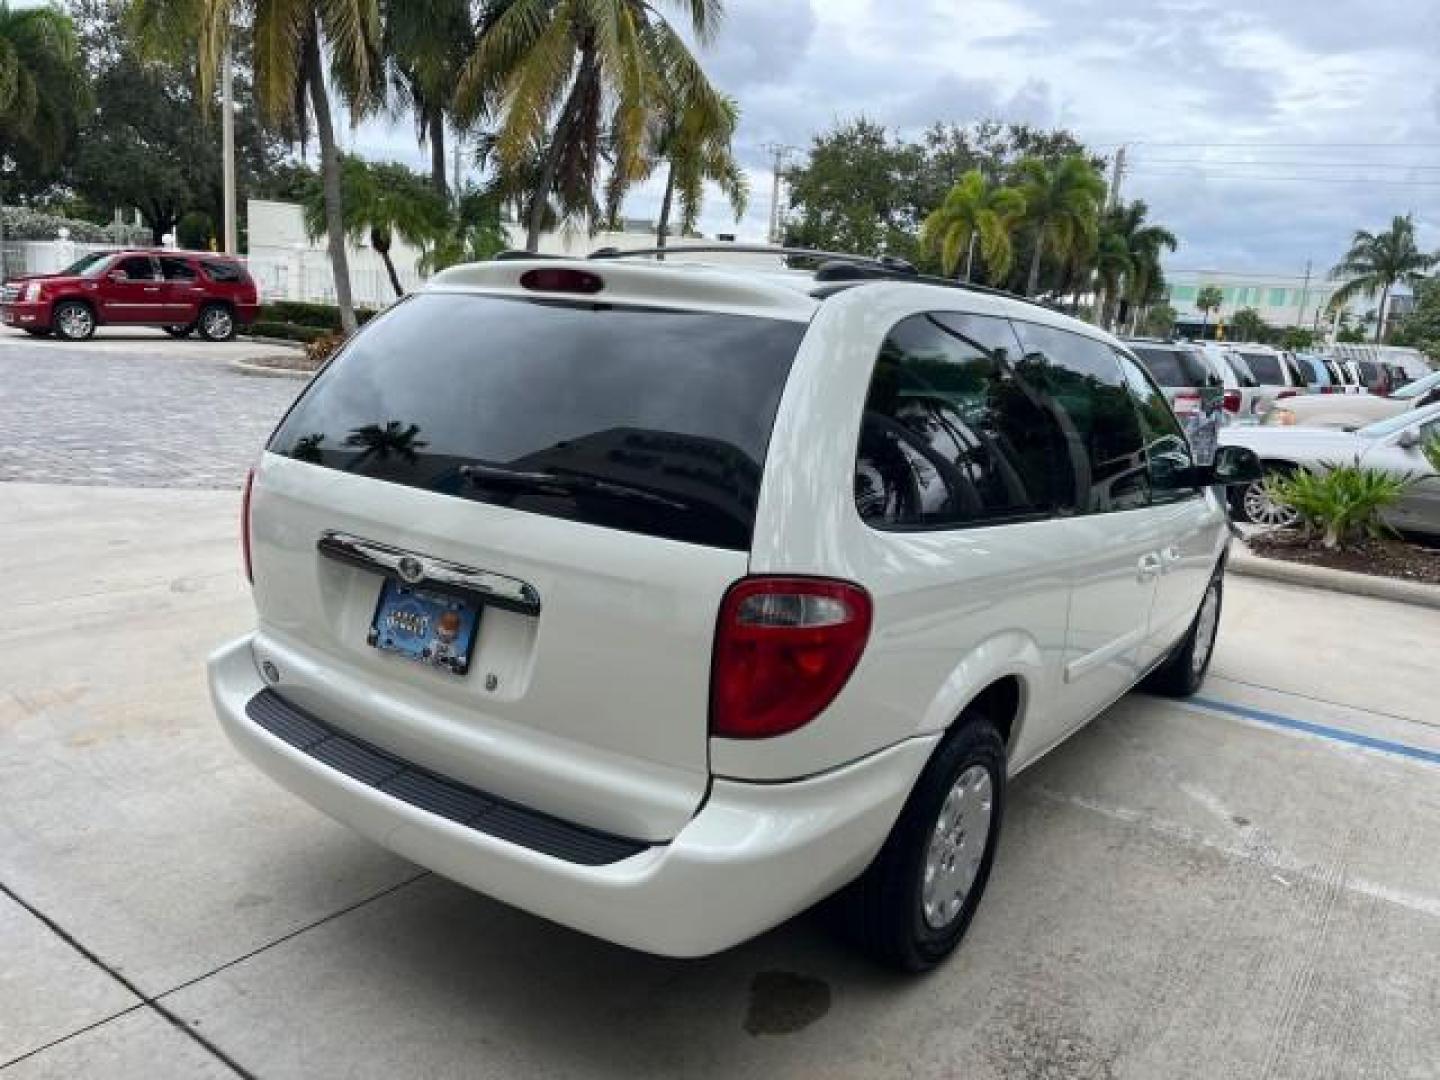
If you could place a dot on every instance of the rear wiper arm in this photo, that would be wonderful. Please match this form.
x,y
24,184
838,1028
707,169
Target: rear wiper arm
x,y
563,483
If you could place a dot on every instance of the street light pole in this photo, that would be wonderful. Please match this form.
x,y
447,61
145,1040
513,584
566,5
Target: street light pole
x,y
227,139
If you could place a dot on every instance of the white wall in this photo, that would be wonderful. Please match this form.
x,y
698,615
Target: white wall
x,y
288,265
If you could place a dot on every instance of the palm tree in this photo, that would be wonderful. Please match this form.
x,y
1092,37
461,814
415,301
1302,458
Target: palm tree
x,y
291,39
1143,245
1112,264
694,141
1376,262
427,43
607,66
1062,206
381,201
1207,300
42,87
973,211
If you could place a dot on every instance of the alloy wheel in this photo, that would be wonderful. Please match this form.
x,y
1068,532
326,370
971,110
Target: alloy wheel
x,y
76,322
1262,509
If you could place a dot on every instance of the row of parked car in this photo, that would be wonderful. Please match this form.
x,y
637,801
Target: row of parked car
x,y
1304,411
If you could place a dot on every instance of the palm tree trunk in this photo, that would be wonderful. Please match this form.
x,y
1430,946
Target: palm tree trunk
x,y
382,248
1033,282
970,258
662,227
329,179
1380,315
436,138
541,195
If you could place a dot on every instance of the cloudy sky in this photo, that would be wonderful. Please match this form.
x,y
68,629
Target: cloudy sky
x,y
1262,132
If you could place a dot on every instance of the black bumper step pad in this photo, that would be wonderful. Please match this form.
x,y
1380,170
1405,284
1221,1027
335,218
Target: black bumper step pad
x,y
435,794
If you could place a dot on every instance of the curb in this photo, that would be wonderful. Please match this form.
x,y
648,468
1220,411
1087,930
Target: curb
x,y
1418,593
288,343
266,371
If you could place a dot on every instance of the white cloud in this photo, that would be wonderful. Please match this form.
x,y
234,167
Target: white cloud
x,y
1152,73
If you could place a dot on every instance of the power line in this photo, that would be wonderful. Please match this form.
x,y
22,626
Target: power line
x,y
1257,178
1291,163
1265,143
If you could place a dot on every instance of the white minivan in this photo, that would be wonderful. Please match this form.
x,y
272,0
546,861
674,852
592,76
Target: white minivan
x,y
665,600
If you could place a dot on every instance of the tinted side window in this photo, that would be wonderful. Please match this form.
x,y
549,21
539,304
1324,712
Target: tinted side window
x,y
952,435
1266,367
176,269
1084,378
1168,452
137,268
216,270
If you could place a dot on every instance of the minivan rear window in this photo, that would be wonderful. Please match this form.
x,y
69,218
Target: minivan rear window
x,y
1173,367
648,420
1266,367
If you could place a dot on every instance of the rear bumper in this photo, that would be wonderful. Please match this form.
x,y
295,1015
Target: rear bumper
x,y
21,313
753,856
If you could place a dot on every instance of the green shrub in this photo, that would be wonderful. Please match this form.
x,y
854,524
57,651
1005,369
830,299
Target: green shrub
x,y
286,330
1342,505
195,230
304,313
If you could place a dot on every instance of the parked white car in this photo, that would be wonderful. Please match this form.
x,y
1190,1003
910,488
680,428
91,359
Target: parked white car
x,y
1393,446
1351,411
665,600
1242,390
1276,373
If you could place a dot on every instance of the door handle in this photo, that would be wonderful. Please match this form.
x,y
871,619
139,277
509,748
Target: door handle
x,y
1149,567
1169,557
152,288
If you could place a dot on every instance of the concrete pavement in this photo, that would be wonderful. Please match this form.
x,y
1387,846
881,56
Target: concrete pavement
x,y
1183,890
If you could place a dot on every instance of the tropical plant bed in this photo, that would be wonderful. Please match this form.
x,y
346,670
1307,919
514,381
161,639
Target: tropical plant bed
x,y
1379,558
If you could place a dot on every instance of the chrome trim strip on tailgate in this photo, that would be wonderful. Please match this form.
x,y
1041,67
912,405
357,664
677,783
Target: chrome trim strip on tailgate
x,y
436,794
482,586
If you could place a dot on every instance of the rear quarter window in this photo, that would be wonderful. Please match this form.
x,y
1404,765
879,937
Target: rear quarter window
x,y
1173,367
654,421
219,270
1266,367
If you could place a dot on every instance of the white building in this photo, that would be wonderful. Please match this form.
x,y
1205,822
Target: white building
x,y
1281,299
288,265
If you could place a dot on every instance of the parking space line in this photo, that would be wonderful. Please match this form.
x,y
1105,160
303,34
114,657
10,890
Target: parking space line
x,y
1324,731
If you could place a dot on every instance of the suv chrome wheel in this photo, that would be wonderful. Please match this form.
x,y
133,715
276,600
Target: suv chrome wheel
x,y
217,324
74,322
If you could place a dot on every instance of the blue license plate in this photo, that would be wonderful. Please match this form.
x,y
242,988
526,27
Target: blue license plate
x,y
427,627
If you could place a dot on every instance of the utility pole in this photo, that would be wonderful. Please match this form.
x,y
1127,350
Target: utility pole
x,y
779,152
227,140
1117,174
1304,296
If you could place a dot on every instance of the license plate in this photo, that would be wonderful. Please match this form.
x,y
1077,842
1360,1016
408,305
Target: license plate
x,y
428,627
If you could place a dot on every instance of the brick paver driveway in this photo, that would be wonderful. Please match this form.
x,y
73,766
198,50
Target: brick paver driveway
x,y
153,413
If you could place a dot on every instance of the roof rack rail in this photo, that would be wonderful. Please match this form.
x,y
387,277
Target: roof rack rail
x,y
515,254
745,249
838,270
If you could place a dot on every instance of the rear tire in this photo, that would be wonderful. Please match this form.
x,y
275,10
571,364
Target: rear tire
x,y
72,320
911,908
216,322
179,331
1184,671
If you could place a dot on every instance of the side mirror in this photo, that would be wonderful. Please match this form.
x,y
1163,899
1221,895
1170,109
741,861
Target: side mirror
x,y
1408,439
1233,465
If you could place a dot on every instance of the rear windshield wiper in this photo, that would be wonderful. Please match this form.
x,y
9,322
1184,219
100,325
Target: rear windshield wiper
x,y
563,484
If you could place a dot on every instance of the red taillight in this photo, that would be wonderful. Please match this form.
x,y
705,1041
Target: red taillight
x,y
784,647
245,523
1286,393
562,279
1232,401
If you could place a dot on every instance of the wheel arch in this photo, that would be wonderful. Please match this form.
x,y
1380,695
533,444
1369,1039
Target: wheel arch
x,y
998,679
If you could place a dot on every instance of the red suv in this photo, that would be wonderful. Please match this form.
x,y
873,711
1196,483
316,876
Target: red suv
x,y
178,290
